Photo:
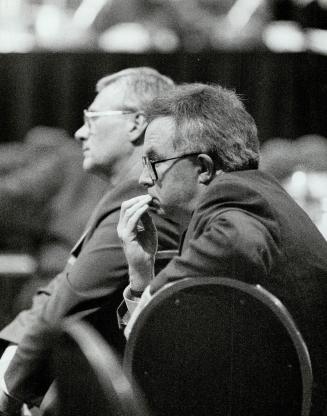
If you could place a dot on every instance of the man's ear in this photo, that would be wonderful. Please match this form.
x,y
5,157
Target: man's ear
x,y
207,170
138,124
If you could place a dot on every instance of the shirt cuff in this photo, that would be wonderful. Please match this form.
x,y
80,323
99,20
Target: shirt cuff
x,y
127,307
136,305
4,364
130,299
9,405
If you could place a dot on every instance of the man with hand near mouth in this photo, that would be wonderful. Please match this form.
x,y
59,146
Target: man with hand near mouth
x,y
200,166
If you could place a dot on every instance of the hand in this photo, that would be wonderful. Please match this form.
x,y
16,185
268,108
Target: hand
x,y
140,242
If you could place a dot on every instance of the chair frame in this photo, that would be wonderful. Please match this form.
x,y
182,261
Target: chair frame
x,y
100,356
258,292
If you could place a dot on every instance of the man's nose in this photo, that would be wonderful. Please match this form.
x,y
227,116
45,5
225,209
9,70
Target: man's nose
x,y
145,179
82,133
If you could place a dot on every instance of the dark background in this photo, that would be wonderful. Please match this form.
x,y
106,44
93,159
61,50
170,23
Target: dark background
x,y
285,93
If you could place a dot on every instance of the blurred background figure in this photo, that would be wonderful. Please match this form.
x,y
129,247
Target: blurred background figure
x,y
301,167
45,201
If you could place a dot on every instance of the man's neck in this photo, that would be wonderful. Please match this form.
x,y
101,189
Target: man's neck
x,y
182,217
129,169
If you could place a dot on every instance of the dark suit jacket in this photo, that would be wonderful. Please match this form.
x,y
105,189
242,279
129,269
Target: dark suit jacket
x,y
95,271
248,228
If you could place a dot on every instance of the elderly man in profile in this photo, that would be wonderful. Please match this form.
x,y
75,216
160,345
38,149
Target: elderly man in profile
x,y
96,272
200,167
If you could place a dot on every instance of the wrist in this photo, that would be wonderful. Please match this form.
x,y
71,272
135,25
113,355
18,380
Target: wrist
x,y
136,293
139,280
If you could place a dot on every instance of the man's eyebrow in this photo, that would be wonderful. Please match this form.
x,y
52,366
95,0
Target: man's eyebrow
x,y
152,155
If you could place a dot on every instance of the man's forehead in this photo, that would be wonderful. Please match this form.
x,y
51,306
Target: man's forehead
x,y
159,136
109,98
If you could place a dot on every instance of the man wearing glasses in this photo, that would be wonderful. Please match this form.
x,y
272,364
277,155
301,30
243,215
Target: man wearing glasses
x,y
200,158
96,272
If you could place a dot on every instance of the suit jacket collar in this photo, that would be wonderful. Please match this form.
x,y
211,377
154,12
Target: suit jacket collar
x,y
111,202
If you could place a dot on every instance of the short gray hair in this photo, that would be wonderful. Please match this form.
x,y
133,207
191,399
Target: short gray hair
x,y
210,119
141,85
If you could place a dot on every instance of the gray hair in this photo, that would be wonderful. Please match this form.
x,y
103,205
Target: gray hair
x,y
210,119
140,85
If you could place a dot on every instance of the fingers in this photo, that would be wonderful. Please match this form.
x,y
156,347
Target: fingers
x,y
130,214
132,206
131,202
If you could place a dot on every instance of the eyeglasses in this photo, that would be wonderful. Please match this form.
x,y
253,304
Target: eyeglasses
x,y
150,165
92,114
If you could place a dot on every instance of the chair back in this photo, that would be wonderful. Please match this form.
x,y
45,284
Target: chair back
x,y
89,376
217,346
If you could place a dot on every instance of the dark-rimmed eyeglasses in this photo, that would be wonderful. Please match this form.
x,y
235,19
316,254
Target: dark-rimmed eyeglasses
x,y
150,165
